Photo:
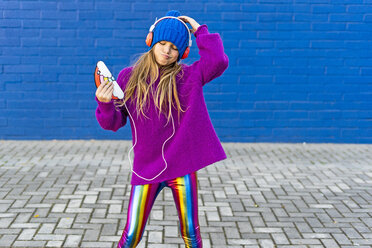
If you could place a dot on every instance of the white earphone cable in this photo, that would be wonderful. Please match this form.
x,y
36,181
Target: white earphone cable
x,y
135,134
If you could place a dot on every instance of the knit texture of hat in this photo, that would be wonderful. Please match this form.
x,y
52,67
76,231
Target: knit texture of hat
x,y
172,30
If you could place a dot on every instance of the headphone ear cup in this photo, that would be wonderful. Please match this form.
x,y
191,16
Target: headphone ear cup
x,y
186,53
149,39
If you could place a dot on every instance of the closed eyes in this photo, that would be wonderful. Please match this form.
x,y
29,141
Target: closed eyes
x,y
173,47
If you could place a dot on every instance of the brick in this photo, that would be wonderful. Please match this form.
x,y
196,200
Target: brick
x,y
47,228
155,237
273,195
312,52
7,240
96,244
29,243
54,243
72,240
65,223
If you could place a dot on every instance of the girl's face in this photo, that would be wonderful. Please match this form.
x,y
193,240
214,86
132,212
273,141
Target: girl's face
x,y
165,53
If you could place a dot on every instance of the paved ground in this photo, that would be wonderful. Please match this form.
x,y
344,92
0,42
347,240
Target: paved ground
x,y
74,194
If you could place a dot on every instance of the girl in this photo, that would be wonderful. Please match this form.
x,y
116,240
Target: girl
x,y
167,151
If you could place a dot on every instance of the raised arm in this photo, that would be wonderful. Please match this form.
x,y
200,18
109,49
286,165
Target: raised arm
x,y
213,60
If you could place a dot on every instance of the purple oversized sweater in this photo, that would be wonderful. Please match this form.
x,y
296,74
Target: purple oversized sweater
x,y
194,144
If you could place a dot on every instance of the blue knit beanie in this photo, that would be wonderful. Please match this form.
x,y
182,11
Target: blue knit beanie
x,y
171,30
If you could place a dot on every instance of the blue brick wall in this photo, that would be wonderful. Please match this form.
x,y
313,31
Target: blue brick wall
x,y
299,71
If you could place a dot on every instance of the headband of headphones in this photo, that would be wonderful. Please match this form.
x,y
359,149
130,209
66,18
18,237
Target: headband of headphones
x,y
165,17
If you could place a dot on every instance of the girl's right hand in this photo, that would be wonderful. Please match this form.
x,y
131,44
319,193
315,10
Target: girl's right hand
x,y
104,91
192,22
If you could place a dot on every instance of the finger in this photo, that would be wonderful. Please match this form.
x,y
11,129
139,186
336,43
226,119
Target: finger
x,y
108,93
99,91
104,95
101,86
184,18
106,84
107,87
102,89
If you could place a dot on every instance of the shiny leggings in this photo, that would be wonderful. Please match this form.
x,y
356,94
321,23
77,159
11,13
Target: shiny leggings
x,y
142,198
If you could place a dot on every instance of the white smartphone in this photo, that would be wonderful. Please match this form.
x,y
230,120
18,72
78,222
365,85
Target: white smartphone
x,y
102,73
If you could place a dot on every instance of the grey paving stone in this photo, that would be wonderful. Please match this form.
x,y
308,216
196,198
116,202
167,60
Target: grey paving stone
x,y
54,243
72,241
29,244
7,240
263,195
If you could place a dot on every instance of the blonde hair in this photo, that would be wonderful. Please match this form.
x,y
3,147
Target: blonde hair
x,y
141,82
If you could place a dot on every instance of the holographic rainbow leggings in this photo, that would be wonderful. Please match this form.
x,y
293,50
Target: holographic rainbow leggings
x,y
142,198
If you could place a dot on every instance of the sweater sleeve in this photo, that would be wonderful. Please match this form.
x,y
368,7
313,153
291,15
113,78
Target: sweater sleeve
x,y
213,60
107,116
